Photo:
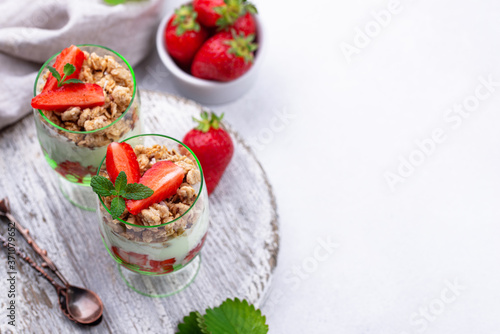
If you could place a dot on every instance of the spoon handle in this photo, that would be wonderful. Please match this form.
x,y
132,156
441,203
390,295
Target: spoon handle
x,y
32,263
5,210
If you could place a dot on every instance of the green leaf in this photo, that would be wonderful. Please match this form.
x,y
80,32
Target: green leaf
x,y
137,191
101,185
191,324
72,81
69,69
235,316
117,207
121,183
54,72
114,2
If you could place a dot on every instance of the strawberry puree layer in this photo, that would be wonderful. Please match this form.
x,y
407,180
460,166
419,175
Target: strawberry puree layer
x,y
159,257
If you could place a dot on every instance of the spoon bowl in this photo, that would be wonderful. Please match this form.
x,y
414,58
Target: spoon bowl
x,y
83,305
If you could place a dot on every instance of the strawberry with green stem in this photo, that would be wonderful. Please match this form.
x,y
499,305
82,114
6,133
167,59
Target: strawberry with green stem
x,y
184,36
224,57
212,145
222,13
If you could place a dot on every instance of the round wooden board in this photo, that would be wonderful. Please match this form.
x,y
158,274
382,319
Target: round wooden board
x,y
239,255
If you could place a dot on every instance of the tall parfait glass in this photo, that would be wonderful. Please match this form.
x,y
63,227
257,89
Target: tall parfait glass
x,y
74,141
158,250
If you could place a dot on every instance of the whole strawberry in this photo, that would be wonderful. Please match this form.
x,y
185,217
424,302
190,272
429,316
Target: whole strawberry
x,y
222,13
184,36
224,57
213,147
244,24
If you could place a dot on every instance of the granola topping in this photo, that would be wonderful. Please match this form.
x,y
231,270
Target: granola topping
x,y
165,211
118,88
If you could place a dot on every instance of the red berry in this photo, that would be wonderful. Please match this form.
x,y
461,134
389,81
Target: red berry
x,y
245,24
164,178
184,36
206,11
164,266
222,13
121,157
224,57
71,55
213,147
70,95
130,257
75,169
194,251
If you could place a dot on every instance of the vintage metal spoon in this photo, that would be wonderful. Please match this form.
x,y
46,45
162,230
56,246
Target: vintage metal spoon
x,y
79,304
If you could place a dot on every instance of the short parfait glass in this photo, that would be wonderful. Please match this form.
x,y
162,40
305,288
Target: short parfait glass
x,y
75,155
158,260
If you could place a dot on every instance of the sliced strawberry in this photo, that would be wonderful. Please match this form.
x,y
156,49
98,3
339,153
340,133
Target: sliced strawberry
x,y
165,266
130,257
72,55
70,95
121,157
164,178
194,251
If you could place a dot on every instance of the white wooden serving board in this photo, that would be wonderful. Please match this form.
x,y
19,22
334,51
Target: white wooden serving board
x,y
238,258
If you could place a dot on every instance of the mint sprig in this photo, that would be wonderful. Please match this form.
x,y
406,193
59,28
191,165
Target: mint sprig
x,y
232,316
67,71
121,189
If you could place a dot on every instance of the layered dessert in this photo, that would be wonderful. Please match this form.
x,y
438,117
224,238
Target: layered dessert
x,y
78,113
165,231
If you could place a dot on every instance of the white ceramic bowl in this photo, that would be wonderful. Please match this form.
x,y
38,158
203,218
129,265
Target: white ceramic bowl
x,y
206,91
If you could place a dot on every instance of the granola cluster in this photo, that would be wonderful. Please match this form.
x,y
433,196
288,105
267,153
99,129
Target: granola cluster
x,y
165,211
118,88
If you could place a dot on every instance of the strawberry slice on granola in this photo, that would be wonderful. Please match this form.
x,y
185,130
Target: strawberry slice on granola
x,y
121,157
72,95
164,178
72,55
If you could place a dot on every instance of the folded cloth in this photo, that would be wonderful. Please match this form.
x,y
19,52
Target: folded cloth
x,y
31,31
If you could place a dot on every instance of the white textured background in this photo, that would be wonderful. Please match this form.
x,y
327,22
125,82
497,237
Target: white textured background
x,y
349,124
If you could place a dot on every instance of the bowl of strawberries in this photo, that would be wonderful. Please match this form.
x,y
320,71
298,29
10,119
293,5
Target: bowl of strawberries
x,y
212,48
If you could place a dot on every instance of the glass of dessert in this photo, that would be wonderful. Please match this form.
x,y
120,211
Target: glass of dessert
x,y
85,97
155,240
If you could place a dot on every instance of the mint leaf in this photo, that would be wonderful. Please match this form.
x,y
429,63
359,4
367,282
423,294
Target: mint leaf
x,y
117,207
235,316
191,324
101,185
72,81
69,69
137,191
121,183
54,72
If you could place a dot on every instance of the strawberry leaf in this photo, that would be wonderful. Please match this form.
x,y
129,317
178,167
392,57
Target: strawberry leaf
x,y
101,185
235,316
117,207
137,191
121,183
191,324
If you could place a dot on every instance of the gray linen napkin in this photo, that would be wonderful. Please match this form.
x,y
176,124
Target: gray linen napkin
x,y
31,31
